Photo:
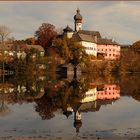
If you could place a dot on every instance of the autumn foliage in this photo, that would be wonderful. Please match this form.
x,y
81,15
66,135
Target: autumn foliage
x,y
71,51
45,34
136,46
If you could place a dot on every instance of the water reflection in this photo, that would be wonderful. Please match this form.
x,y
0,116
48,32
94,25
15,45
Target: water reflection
x,y
73,96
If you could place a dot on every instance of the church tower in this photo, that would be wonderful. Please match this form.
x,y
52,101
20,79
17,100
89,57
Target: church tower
x,y
78,21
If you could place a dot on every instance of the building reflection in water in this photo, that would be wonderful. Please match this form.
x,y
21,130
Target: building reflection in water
x,y
110,91
77,120
74,96
94,98
14,91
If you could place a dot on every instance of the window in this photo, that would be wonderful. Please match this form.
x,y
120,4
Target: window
x,y
109,54
41,53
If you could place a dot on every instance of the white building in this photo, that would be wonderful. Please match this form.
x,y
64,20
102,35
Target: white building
x,y
90,96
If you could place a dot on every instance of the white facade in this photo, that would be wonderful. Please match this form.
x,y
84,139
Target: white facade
x,y
90,47
90,96
69,34
69,108
78,116
78,26
21,54
42,53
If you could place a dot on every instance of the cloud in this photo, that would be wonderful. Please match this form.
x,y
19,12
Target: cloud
x,y
117,19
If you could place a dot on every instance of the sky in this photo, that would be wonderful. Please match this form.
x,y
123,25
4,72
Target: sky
x,y
119,20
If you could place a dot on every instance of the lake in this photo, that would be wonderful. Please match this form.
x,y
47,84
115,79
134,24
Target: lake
x,y
89,106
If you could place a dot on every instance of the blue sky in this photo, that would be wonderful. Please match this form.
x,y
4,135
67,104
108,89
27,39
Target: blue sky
x,y
113,19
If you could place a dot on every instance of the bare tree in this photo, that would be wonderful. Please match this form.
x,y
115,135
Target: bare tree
x,y
4,32
10,39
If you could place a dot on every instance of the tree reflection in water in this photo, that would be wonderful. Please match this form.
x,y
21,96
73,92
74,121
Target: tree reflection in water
x,y
73,96
63,94
4,109
130,86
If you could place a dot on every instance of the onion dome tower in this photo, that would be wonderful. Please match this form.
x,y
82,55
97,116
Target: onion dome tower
x,y
77,121
78,20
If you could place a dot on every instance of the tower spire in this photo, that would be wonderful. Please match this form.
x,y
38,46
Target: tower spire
x,y
78,10
78,20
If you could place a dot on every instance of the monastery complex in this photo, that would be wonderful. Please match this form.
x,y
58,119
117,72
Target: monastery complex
x,y
92,40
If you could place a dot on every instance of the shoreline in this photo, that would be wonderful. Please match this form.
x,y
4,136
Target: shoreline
x,y
59,138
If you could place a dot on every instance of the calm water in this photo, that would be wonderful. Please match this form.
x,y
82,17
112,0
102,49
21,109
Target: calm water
x,y
87,107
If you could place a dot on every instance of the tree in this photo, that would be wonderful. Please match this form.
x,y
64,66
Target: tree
x,y
4,32
62,48
45,35
70,93
31,54
77,54
71,51
136,46
30,41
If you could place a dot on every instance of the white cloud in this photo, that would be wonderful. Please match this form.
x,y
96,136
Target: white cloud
x,y
118,19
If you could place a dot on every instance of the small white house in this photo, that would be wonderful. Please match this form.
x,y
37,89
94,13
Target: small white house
x,y
20,51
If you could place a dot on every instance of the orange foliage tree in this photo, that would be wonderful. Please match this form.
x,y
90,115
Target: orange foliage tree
x,y
45,35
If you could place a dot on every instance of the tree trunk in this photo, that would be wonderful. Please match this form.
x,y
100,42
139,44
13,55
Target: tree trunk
x,y
2,40
75,72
